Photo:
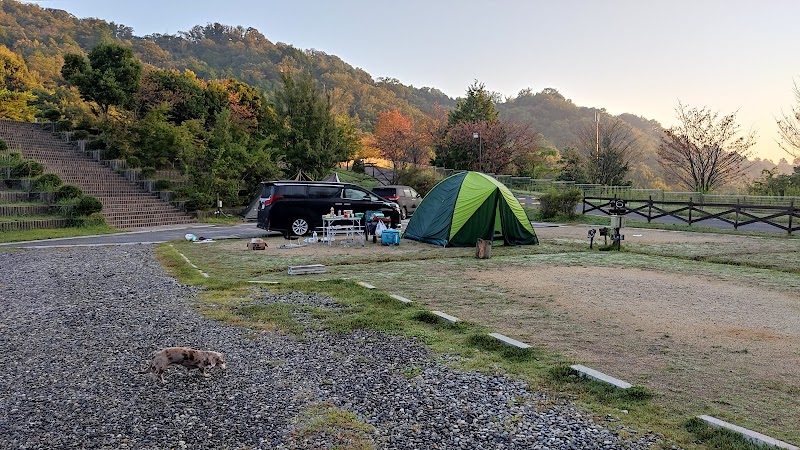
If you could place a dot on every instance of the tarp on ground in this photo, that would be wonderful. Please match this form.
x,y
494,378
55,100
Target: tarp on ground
x,y
469,206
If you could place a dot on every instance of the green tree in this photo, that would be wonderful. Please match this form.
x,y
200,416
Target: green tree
x,y
110,77
607,148
308,136
477,106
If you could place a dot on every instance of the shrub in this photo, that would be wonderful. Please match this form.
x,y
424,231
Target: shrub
x,y
358,166
132,162
96,144
560,203
47,182
147,172
198,200
3,145
421,180
51,114
80,135
27,169
88,205
63,125
67,192
163,185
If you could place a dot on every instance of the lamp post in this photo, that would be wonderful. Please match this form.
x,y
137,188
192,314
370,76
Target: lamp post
x,y
476,135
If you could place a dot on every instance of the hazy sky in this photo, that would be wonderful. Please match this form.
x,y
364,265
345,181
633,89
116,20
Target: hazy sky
x,y
635,56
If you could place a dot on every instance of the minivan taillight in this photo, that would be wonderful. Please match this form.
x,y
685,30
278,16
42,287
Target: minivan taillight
x,y
272,199
393,198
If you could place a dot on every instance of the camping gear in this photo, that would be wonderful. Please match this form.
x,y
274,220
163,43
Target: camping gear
x,y
390,237
469,206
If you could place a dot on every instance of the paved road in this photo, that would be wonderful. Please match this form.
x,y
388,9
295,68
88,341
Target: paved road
x,y
151,236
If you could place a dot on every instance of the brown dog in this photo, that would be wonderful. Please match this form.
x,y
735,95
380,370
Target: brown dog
x,y
187,357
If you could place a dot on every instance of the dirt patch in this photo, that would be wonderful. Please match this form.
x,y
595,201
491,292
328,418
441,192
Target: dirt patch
x,y
703,341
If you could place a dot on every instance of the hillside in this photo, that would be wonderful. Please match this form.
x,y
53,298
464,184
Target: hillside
x,y
43,35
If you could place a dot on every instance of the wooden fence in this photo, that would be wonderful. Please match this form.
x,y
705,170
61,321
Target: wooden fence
x,y
784,217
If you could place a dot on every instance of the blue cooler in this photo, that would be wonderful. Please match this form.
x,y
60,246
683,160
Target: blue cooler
x,y
390,237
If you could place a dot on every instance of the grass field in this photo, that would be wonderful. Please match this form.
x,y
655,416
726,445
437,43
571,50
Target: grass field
x,y
706,323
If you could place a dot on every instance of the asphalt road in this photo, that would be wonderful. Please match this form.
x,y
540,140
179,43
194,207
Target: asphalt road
x,y
151,236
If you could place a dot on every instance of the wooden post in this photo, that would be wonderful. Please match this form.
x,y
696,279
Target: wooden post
x,y
690,210
483,249
736,221
791,213
649,209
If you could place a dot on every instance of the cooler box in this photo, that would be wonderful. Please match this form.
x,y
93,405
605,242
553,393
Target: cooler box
x,y
390,237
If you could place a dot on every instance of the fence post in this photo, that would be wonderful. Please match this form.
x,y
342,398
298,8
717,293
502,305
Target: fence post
x,y
791,214
649,208
736,221
691,205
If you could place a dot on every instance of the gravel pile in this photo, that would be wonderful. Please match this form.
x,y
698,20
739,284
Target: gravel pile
x,y
77,326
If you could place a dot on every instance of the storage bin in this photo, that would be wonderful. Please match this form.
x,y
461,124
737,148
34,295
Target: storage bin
x,y
390,237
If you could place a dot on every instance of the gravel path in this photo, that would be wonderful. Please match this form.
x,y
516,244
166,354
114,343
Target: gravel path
x,y
77,326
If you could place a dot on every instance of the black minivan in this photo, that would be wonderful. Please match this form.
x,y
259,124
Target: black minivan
x,y
296,207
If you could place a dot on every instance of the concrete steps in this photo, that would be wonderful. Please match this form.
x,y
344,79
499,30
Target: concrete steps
x,y
125,204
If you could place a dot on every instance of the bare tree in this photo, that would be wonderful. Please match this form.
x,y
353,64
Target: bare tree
x,y
704,152
789,127
607,148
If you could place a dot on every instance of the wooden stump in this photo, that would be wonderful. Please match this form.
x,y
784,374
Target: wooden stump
x,y
483,249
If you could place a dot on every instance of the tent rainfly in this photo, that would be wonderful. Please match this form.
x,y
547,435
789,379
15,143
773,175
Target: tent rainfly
x,y
469,206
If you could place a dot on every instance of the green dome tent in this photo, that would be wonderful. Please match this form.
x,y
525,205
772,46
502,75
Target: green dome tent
x,y
466,207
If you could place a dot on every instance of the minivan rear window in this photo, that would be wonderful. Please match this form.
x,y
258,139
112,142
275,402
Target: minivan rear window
x,y
324,192
292,191
383,192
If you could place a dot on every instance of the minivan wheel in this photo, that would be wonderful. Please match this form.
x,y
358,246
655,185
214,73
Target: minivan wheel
x,y
300,226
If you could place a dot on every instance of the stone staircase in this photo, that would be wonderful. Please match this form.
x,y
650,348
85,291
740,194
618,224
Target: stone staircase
x,y
125,204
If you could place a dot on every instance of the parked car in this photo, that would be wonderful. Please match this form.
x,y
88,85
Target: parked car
x,y
296,207
405,196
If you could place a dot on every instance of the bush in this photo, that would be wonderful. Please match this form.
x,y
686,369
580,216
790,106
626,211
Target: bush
x,y
88,205
3,145
132,162
47,182
163,185
63,125
147,173
560,203
96,144
51,114
67,192
27,169
358,166
421,180
80,135
198,200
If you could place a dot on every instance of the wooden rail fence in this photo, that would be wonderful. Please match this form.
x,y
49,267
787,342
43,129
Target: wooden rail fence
x,y
784,217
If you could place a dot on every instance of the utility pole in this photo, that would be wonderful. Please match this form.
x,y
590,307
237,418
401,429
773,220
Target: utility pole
x,y
597,136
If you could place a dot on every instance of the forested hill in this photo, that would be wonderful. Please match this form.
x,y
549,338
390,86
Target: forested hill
x,y
43,35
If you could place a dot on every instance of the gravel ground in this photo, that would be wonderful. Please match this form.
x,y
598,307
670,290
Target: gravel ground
x,y
77,326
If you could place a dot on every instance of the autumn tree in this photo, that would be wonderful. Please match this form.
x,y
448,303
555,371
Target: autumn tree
x,y
789,128
497,148
396,140
607,148
15,85
705,150
110,76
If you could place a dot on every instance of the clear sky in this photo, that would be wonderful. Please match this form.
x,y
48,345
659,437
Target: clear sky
x,y
635,56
